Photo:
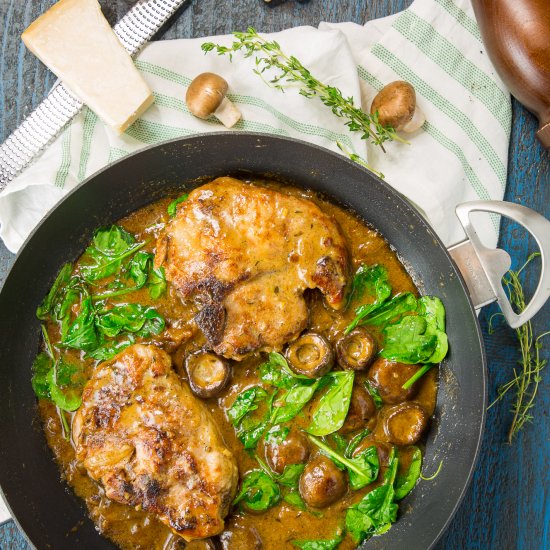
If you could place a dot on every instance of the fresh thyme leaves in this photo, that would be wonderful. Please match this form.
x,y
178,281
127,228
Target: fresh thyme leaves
x,y
526,381
280,70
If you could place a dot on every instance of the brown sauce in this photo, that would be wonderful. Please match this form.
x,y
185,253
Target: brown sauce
x,y
276,528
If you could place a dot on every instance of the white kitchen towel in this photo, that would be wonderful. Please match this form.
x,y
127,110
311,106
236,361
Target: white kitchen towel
x,y
459,154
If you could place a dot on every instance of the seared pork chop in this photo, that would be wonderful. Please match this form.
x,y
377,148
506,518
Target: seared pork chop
x,y
151,443
247,254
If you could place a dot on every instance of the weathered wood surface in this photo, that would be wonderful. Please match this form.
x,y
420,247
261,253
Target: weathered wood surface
x,y
507,504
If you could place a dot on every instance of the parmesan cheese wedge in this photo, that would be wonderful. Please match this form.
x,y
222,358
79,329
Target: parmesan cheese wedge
x,y
75,41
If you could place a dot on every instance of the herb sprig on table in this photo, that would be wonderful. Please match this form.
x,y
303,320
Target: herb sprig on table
x,y
526,380
280,70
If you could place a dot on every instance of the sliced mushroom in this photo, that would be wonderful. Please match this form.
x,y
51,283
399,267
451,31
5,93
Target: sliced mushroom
x,y
357,349
294,449
208,373
310,355
404,424
361,410
206,96
396,106
322,483
388,378
240,537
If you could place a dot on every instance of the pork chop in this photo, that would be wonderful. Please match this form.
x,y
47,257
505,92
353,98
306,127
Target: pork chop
x,y
246,254
151,443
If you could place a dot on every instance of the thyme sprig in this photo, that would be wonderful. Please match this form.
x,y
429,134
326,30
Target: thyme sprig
x,y
281,71
526,380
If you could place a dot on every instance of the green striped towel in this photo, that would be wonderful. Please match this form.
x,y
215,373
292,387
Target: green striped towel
x,y
459,154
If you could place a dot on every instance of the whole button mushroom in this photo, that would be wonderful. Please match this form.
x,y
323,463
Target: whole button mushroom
x,y
396,106
206,96
321,483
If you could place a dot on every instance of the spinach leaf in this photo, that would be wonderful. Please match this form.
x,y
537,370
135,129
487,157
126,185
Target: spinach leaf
x,y
433,310
245,402
40,370
293,401
139,268
367,462
333,406
250,432
47,305
65,382
277,434
141,271
381,314
173,206
276,372
81,333
141,320
258,491
294,499
340,442
110,349
405,483
291,475
363,469
326,544
376,512
374,394
157,282
109,247
407,341
354,442
372,280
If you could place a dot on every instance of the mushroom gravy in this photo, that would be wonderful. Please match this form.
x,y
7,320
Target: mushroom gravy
x,y
131,528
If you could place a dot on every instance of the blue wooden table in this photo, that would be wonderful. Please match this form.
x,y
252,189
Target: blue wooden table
x,y
507,504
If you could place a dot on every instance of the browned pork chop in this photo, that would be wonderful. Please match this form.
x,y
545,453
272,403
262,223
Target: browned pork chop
x,y
246,254
151,443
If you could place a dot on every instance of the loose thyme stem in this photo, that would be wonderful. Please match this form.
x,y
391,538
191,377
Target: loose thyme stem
x,y
288,70
526,381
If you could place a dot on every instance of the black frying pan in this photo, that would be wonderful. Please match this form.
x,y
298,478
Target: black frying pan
x,y
45,508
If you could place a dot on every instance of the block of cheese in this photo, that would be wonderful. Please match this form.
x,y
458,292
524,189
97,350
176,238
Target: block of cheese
x,y
76,42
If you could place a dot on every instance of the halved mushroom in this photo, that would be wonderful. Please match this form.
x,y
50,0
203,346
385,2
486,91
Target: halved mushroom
x,y
208,373
310,355
404,424
396,106
206,96
357,349
321,483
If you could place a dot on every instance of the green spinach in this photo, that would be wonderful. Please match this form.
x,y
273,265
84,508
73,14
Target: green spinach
x,y
372,280
373,392
405,483
362,469
109,247
45,309
376,511
327,544
173,206
259,491
244,403
331,412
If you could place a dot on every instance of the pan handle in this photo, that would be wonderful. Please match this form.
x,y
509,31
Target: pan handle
x,y
483,268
